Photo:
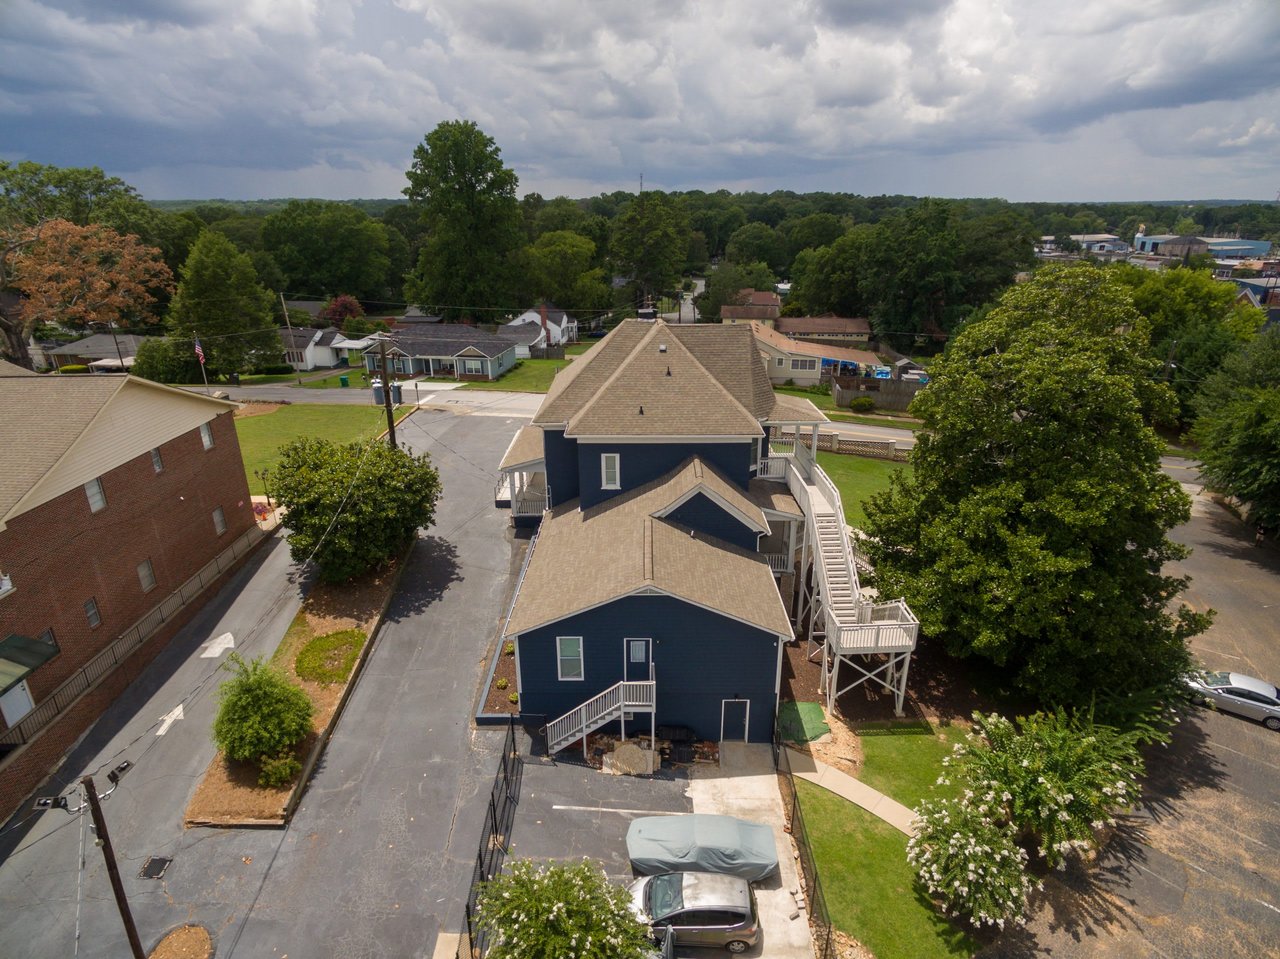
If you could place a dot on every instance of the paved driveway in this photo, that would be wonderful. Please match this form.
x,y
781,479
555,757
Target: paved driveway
x,y
1196,872
378,858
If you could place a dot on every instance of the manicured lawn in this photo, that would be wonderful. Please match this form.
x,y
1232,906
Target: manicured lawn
x,y
893,423
527,376
330,382
870,889
264,379
823,401
904,761
577,349
857,477
262,436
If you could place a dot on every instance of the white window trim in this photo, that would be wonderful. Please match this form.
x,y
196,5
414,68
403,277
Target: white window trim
x,y
806,366
89,488
582,662
219,512
617,471
97,612
151,575
206,435
779,363
157,460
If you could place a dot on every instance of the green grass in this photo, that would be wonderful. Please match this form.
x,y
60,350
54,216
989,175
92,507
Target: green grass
x,y
893,423
857,477
801,722
265,379
262,436
904,760
869,887
577,349
823,401
330,382
329,659
527,376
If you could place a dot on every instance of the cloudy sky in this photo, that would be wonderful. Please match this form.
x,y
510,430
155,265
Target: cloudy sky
x,y
1025,99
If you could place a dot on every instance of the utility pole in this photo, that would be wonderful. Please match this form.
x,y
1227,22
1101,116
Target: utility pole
x,y
1168,360
386,394
289,326
119,356
100,824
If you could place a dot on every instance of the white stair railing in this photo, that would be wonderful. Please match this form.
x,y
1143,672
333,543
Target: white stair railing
x,y
595,712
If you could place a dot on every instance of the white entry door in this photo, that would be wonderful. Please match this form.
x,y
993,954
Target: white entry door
x,y
16,703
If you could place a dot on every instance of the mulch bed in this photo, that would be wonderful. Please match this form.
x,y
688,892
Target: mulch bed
x,y
229,793
185,942
499,700
256,408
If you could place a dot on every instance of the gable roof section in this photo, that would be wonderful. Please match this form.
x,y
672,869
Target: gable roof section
x,y
449,339
575,385
524,451
661,389
730,354
631,548
787,345
62,431
102,346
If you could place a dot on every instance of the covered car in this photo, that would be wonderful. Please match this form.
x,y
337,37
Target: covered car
x,y
702,843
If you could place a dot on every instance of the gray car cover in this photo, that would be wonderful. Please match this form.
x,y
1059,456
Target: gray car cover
x,y
701,843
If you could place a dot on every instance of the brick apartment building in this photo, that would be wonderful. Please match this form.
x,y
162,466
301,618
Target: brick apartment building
x,y
114,492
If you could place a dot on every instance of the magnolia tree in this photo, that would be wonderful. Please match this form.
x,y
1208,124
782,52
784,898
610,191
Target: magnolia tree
x,y
554,910
1048,782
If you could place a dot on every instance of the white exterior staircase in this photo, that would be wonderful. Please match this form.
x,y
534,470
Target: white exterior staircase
x,y
609,705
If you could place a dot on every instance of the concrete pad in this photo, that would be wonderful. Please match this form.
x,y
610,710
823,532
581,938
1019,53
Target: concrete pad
x,y
745,785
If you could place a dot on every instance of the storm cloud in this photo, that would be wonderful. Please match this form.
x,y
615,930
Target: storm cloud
x,y
1028,99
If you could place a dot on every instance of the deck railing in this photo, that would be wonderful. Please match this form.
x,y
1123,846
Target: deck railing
x,y
778,562
598,710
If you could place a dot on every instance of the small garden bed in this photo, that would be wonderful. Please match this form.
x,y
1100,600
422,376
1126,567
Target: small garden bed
x,y
502,686
319,653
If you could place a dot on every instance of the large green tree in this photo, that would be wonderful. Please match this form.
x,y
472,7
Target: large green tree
x,y
726,283
830,279
650,242
220,301
352,507
326,248
559,269
1238,427
757,243
1032,530
467,201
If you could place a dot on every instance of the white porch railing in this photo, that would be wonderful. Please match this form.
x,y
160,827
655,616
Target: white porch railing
x,y
778,562
773,467
531,503
598,710
889,627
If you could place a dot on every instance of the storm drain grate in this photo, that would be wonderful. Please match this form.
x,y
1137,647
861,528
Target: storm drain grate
x,y
154,867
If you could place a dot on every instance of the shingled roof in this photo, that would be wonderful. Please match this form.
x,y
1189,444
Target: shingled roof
x,y
717,387
631,547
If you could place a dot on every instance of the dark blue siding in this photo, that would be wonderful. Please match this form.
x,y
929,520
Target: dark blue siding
x,y
562,466
706,516
643,462
700,658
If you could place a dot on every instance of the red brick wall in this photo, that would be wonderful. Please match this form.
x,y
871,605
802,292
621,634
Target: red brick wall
x,y
61,553
23,770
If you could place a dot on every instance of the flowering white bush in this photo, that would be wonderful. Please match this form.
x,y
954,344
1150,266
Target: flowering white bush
x,y
966,855
557,910
1061,778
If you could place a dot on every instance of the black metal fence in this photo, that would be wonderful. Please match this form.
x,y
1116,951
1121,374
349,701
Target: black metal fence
x,y
819,918
495,840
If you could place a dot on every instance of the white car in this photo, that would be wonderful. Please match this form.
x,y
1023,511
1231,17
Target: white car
x,y
1239,694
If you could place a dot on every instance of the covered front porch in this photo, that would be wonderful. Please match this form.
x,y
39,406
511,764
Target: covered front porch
x,y
522,484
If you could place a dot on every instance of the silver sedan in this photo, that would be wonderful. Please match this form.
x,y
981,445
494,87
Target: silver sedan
x,y
1239,694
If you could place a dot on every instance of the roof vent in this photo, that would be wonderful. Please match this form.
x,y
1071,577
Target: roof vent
x,y
662,347
642,411
668,371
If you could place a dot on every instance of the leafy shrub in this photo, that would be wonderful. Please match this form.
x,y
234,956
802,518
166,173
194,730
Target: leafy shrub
x,y
513,698
559,909
271,369
278,770
261,714
510,649
501,683
968,858
862,404
788,382
167,361
329,659
71,369
1061,777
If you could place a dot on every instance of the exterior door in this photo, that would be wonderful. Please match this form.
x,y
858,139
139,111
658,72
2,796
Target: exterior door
x,y
734,716
638,657
16,703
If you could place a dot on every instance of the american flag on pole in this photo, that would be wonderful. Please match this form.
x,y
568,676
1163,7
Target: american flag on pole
x,y
199,352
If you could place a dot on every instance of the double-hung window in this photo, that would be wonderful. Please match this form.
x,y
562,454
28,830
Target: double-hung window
x,y
91,612
97,496
219,521
157,461
804,364
569,658
206,435
146,576
610,471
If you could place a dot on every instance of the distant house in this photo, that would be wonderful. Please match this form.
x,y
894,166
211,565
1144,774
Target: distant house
x,y
1100,243
663,466
525,336
804,363
561,328
836,330
306,348
101,352
445,349
762,306
114,493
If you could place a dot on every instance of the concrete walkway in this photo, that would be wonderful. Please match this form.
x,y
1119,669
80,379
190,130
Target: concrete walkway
x,y
828,777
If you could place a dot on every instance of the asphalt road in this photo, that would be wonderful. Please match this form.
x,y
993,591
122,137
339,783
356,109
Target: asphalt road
x,y
1195,872
378,858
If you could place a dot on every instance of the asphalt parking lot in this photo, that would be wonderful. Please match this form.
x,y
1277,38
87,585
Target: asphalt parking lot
x,y
1195,872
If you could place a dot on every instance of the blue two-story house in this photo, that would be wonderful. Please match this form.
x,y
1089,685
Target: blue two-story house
x,y
662,471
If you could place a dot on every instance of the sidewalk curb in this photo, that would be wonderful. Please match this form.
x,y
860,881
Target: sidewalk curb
x,y
813,770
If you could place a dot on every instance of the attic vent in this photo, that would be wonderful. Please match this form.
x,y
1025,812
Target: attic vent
x,y
662,347
642,411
